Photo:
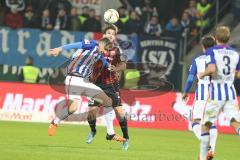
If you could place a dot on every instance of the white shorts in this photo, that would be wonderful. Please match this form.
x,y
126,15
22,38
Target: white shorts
x,y
213,108
198,107
76,87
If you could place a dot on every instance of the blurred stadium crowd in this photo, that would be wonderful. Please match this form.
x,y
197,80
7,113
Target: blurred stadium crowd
x,y
150,17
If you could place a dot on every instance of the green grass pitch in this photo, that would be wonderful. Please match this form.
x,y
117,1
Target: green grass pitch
x,y
29,141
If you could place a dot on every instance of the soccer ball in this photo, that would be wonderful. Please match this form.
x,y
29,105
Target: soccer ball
x,y
111,16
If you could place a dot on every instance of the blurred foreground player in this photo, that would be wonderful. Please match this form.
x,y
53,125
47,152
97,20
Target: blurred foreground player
x,y
77,82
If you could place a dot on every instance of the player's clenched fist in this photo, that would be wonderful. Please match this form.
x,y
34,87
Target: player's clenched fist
x,y
55,51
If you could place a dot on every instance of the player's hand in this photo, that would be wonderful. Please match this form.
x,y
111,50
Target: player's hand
x,y
55,51
184,96
112,68
200,75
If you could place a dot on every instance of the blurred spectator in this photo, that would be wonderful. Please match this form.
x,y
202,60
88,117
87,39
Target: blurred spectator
x,y
45,20
192,10
36,5
92,24
148,10
62,21
185,21
29,73
153,27
188,27
2,12
135,3
13,19
18,5
85,14
75,23
134,24
123,18
55,6
236,10
203,7
173,27
29,20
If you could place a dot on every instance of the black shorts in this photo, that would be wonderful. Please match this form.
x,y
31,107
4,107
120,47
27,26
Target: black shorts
x,y
112,91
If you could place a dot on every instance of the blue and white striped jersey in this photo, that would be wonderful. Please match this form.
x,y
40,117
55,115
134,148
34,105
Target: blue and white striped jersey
x,y
227,63
83,59
199,65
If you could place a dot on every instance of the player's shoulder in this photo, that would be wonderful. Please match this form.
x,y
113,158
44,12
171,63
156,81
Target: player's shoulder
x,y
199,57
220,47
89,44
210,50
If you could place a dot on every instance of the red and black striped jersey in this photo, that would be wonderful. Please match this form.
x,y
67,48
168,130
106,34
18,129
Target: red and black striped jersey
x,y
104,75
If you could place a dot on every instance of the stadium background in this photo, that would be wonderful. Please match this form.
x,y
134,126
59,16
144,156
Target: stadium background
x,y
166,53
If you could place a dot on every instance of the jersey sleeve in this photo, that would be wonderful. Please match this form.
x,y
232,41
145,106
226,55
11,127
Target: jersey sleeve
x,y
104,61
192,73
85,44
193,68
89,44
77,45
210,57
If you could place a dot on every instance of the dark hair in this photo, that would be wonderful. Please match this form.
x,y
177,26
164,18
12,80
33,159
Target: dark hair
x,y
112,26
85,7
208,41
92,10
30,58
154,16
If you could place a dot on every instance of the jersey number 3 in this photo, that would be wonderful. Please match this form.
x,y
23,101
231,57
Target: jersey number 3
x,y
226,69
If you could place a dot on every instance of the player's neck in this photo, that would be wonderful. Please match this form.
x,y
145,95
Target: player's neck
x,y
221,44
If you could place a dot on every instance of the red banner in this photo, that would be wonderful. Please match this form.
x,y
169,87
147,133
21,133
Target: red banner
x,y
36,103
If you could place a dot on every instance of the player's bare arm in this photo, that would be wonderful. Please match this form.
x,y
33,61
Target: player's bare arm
x,y
77,45
55,51
210,70
237,75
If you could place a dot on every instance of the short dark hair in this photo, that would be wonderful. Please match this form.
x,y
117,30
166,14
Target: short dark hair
x,y
111,26
208,41
30,58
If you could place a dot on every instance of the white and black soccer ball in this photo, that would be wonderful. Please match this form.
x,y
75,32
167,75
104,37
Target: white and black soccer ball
x,y
111,16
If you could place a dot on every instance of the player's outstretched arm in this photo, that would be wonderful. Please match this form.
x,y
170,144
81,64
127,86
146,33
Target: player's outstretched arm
x,y
78,45
55,51
191,76
188,86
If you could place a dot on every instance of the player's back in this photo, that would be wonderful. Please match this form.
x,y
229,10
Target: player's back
x,y
226,60
83,60
202,89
